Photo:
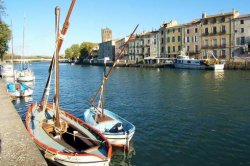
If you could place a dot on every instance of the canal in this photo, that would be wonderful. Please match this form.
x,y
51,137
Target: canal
x,y
182,117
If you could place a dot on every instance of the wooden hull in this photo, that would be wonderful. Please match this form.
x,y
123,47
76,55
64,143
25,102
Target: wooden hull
x,y
61,153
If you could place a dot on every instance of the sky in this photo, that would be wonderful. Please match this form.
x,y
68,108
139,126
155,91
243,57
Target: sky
x,y
37,19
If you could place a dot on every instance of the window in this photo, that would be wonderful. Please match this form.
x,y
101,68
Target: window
x,y
241,30
179,48
187,31
154,41
195,38
242,40
196,30
206,31
162,40
179,29
223,53
168,39
187,48
223,29
215,42
168,31
162,49
148,41
179,39
206,43
168,49
188,39
173,48
162,32
196,48
223,42
214,30
173,39
173,30
241,21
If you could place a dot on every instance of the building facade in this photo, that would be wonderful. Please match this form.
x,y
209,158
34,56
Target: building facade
x,y
241,35
107,49
191,38
119,45
217,34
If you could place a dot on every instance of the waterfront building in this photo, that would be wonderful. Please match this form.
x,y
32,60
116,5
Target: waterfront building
x,y
144,46
191,38
106,35
164,36
107,49
241,35
119,44
217,34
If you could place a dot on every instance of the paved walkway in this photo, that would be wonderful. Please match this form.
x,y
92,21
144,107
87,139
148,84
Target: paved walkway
x,y
16,146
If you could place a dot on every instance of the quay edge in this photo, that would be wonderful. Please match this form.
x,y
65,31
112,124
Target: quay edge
x,y
16,145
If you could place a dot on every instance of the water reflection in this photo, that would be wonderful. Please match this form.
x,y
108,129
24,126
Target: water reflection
x,y
219,75
122,157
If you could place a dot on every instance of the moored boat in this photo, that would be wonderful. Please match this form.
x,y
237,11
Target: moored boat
x,y
185,62
16,89
116,129
62,137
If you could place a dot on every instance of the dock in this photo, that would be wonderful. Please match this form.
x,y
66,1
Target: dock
x,y
16,145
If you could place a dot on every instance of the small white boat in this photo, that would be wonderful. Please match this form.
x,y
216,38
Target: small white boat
x,y
25,75
19,89
117,130
6,70
185,62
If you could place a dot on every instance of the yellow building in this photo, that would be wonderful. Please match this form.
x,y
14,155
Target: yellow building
x,y
171,39
217,34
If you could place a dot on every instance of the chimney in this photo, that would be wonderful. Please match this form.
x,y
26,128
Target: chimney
x,y
204,14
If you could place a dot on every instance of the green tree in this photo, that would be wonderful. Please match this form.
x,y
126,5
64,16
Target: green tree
x,y
68,53
5,35
75,48
87,49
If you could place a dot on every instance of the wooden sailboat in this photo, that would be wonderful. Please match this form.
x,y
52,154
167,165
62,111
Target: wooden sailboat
x,y
116,129
62,137
25,74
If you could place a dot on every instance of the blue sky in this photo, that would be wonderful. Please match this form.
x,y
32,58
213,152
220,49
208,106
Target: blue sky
x,y
89,16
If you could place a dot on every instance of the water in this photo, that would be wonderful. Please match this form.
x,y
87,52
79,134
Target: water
x,y
182,117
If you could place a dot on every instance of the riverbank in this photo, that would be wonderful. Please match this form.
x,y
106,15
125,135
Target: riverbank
x,y
16,146
229,65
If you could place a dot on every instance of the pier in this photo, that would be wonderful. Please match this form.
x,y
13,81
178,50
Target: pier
x,y
16,145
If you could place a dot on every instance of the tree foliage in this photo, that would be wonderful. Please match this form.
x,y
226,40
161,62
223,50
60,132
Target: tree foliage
x,y
5,35
73,52
82,51
87,49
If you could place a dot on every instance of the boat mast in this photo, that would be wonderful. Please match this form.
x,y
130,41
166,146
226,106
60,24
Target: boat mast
x,y
23,45
12,49
59,44
56,99
106,76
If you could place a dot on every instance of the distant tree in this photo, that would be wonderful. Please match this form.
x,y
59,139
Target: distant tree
x,y
68,53
5,35
75,48
86,50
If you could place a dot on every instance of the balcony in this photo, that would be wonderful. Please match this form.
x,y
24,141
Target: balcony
x,y
214,33
214,46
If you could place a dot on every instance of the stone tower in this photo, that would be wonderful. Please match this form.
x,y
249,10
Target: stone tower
x,y
106,34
